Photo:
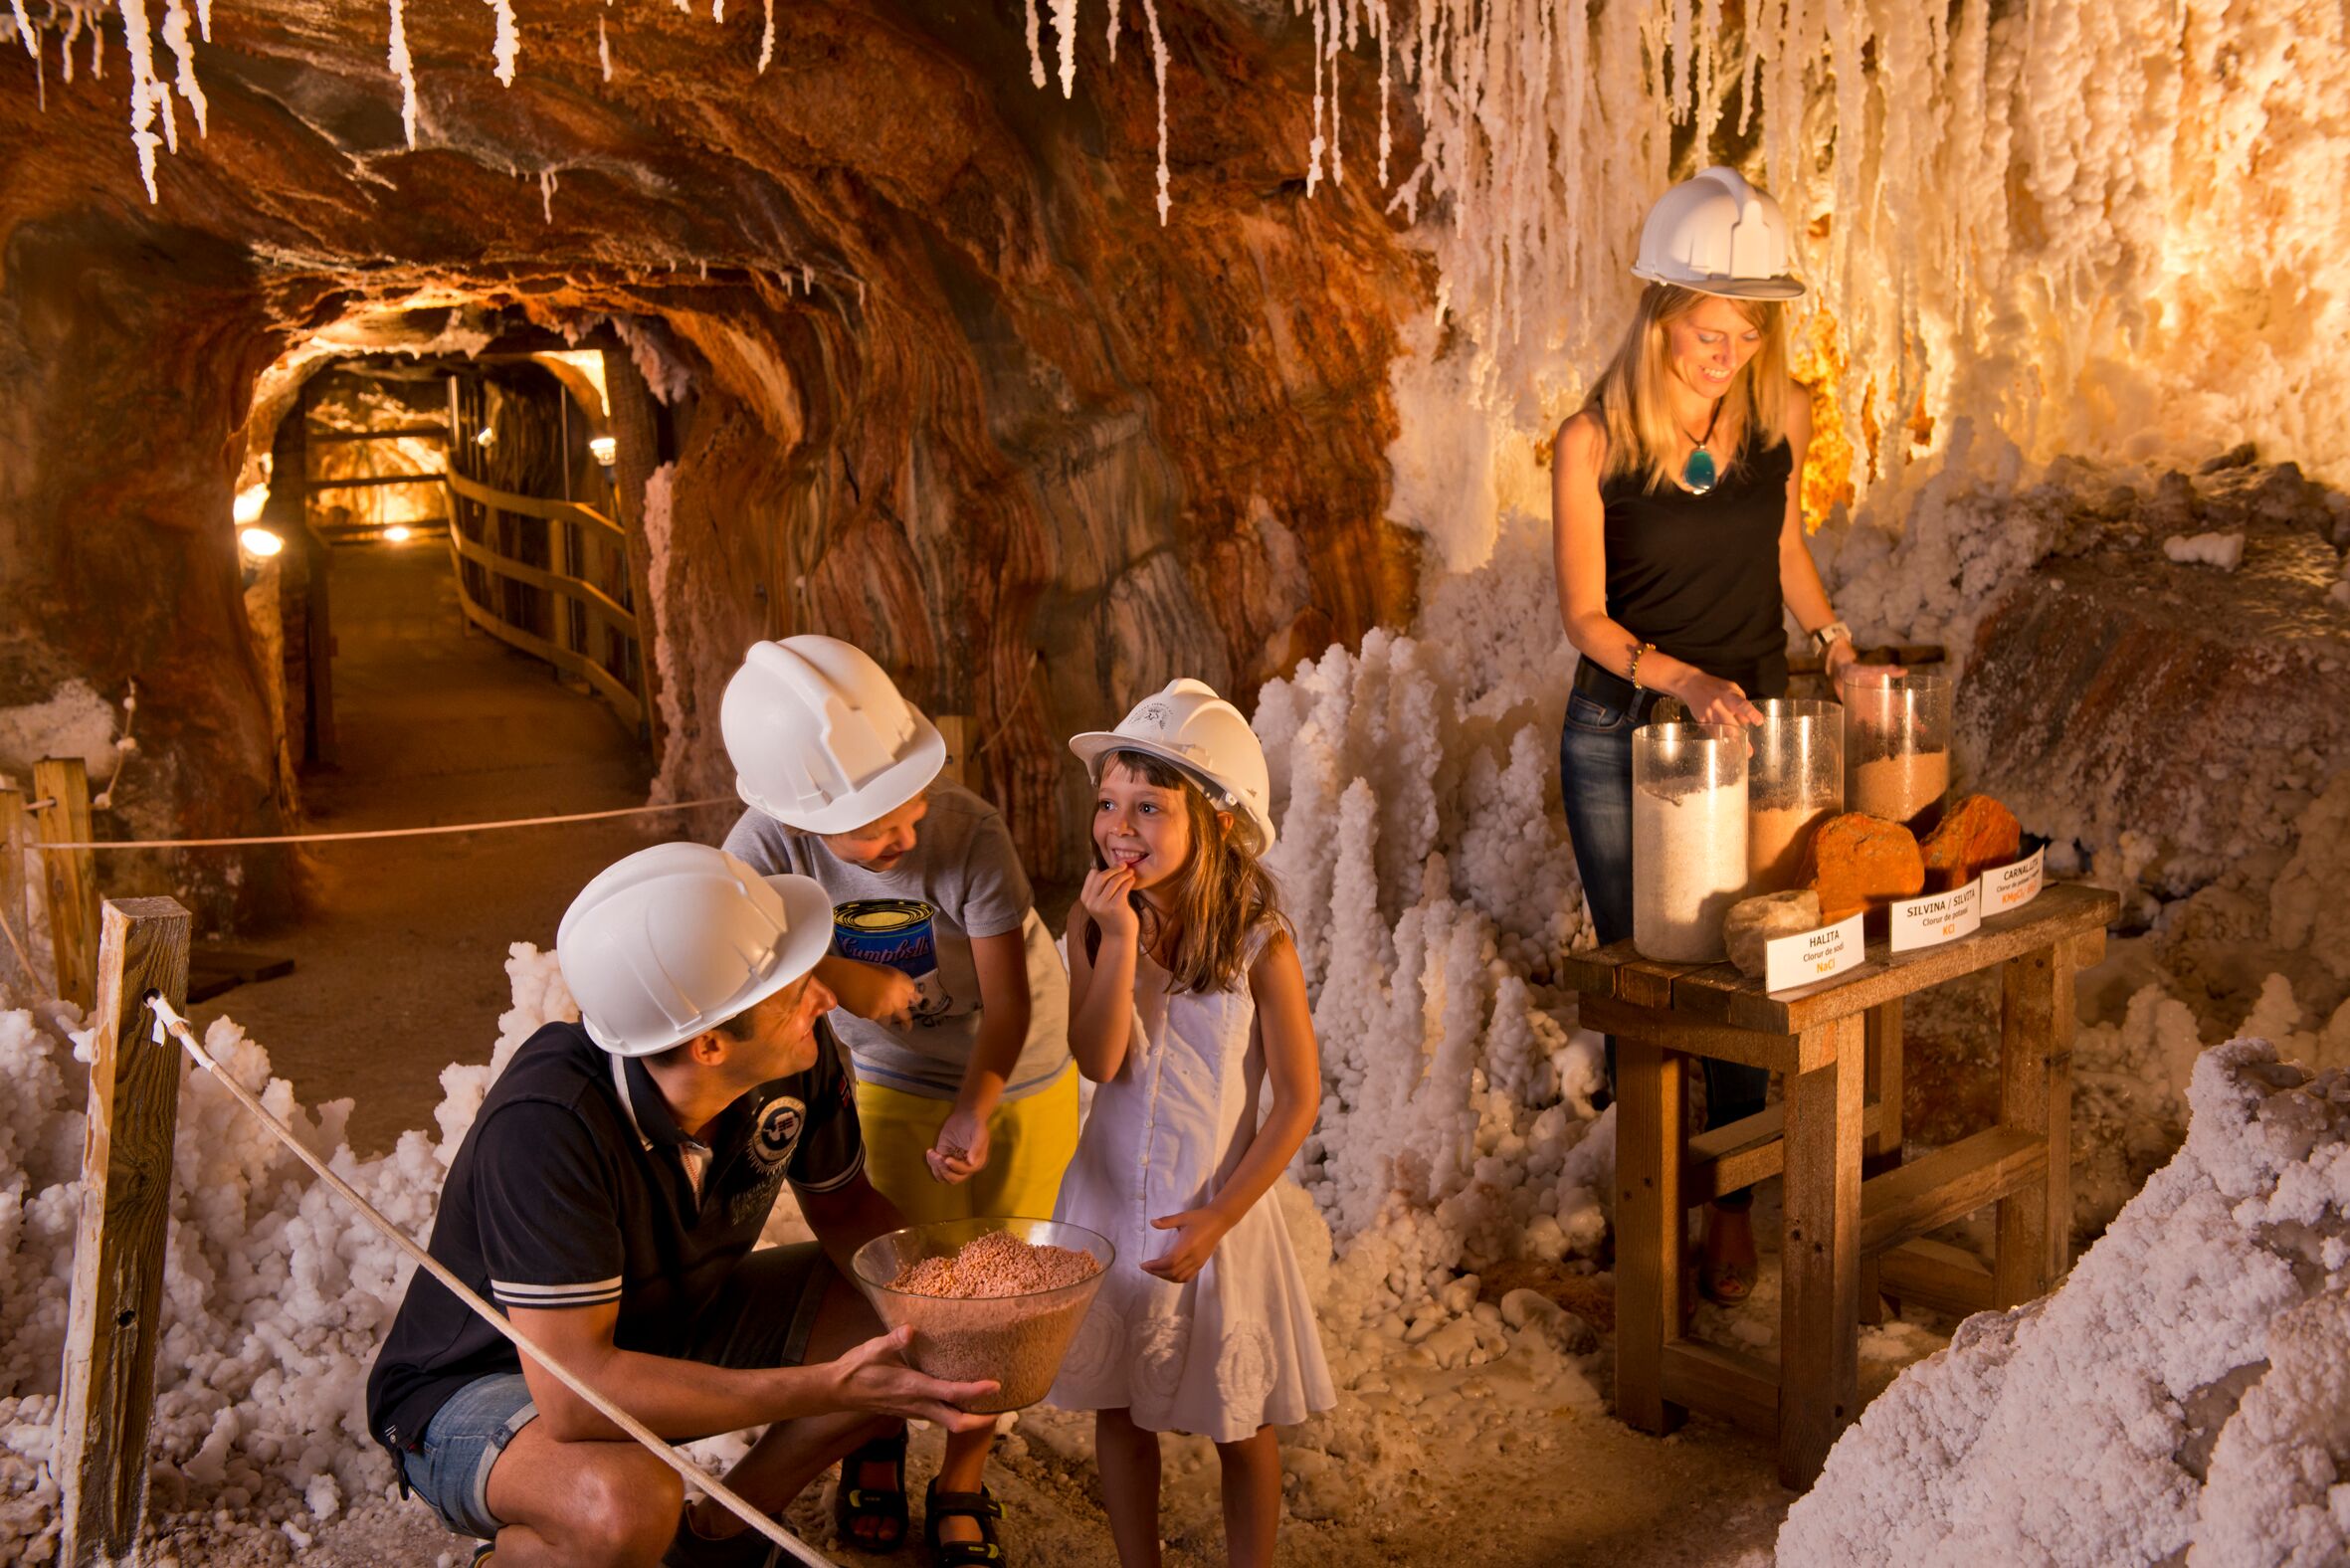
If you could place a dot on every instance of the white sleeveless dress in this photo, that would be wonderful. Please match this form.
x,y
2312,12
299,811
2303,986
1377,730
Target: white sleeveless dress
x,y
1236,1349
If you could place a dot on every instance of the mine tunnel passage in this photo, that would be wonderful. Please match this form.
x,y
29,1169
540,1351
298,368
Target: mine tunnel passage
x,y
415,686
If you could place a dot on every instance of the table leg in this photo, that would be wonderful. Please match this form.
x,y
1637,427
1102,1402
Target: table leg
x,y
1820,1264
1883,1089
1650,1226
2036,1019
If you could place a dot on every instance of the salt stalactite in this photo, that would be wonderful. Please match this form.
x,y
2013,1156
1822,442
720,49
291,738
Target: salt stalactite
x,y
24,27
718,11
146,92
767,38
65,45
1158,71
1114,9
546,193
404,68
1036,55
1313,150
97,51
603,49
508,47
1065,24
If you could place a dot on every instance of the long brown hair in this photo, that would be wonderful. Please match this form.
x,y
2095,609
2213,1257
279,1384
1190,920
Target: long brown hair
x,y
1216,904
1630,396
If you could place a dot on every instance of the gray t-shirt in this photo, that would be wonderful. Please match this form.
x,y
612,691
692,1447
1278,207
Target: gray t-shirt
x,y
964,866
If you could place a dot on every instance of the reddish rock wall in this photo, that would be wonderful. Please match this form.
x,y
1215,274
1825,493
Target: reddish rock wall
x,y
1038,451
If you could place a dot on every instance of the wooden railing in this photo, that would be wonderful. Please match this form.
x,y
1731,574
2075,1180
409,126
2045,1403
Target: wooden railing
x,y
575,611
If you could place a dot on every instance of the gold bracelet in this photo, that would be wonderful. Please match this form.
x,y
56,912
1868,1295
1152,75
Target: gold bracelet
x,y
1633,675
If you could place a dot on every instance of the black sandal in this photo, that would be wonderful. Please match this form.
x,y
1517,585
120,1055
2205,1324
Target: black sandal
x,y
852,1502
978,1506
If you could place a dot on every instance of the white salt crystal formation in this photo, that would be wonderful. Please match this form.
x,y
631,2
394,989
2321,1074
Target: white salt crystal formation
x,y
1423,859
2183,1397
2224,550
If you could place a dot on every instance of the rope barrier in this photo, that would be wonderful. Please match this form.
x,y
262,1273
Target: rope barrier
x,y
168,1018
382,833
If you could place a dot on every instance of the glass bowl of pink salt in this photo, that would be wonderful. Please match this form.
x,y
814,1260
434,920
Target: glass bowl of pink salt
x,y
986,1298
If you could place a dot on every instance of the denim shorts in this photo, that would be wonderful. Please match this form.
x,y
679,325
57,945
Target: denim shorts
x,y
763,1316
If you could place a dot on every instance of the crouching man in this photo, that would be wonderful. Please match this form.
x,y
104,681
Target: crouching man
x,y
607,1198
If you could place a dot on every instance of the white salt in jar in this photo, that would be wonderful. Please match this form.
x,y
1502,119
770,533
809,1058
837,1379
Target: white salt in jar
x,y
1688,838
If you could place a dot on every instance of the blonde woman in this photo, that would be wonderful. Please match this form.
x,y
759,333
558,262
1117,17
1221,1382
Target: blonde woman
x,y
1678,537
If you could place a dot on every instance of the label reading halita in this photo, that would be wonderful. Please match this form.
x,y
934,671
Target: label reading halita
x,y
1938,917
2011,887
1808,957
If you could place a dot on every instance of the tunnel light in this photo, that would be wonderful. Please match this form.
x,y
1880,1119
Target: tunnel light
x,y
250,502
485,436
604,449
397,534
260,543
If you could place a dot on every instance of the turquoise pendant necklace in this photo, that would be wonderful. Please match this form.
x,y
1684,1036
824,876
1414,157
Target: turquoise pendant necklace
x,y
1698,473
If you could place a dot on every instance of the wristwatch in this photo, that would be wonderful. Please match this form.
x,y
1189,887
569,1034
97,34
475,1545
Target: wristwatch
x,y
1825,636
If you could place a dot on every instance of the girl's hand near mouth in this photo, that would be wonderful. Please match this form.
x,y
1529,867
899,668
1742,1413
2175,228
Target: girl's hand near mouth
x,y
1105,896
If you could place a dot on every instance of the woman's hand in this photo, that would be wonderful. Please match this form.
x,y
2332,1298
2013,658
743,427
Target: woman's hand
x,y
1711,701
1839,658
1105,897
1196,1231
960,1152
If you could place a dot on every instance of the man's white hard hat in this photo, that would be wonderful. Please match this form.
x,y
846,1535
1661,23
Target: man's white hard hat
x,y
1718,235
820,740
677,938
1189,725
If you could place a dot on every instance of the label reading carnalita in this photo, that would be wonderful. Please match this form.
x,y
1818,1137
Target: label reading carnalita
x,y
1809,956
1938,917
2013,886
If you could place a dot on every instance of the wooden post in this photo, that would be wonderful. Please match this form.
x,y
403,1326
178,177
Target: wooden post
x,y
1884,1145
955,729
109,1372
12,888
1819,1262
1650,1226
68,878
2036,1019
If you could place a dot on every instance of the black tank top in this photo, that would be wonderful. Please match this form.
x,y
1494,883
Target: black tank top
x,y
1698,575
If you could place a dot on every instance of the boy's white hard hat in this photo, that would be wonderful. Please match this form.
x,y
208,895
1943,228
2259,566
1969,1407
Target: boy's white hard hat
x,y
1718,235
679,938
820,740
1189,725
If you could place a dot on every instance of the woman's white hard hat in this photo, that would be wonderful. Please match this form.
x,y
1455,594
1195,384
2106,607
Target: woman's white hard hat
x,y
1189,725
820,737
677,940
1717,235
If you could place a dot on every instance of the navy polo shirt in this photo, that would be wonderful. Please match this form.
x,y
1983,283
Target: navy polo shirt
x,y
576,1187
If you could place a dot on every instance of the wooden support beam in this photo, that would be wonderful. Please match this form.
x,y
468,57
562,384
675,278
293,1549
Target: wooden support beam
x,y
2036,1019
1820,1258
1749,1150
1723,1382
1936,1275
1884,1146
1949,1184
19,956
69,877
1650,1226
116,1304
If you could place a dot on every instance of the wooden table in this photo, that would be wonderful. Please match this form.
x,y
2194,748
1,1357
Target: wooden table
x,y
1852,1208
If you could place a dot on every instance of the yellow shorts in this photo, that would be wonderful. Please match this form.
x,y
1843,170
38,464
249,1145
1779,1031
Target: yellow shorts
x,y
1030,1142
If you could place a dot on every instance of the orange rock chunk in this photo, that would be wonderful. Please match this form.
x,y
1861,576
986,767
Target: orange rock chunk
x,y
1856,862
1976,834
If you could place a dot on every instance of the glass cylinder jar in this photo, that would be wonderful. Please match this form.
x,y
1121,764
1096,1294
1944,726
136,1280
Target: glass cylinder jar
x,y
1794,782
1688,838
1896,745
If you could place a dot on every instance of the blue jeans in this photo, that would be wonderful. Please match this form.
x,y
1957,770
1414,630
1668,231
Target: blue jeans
x,y
1595,778
763,1316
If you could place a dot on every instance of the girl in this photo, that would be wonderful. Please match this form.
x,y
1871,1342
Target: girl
x,y
953,1004
1185,1000
1677,535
